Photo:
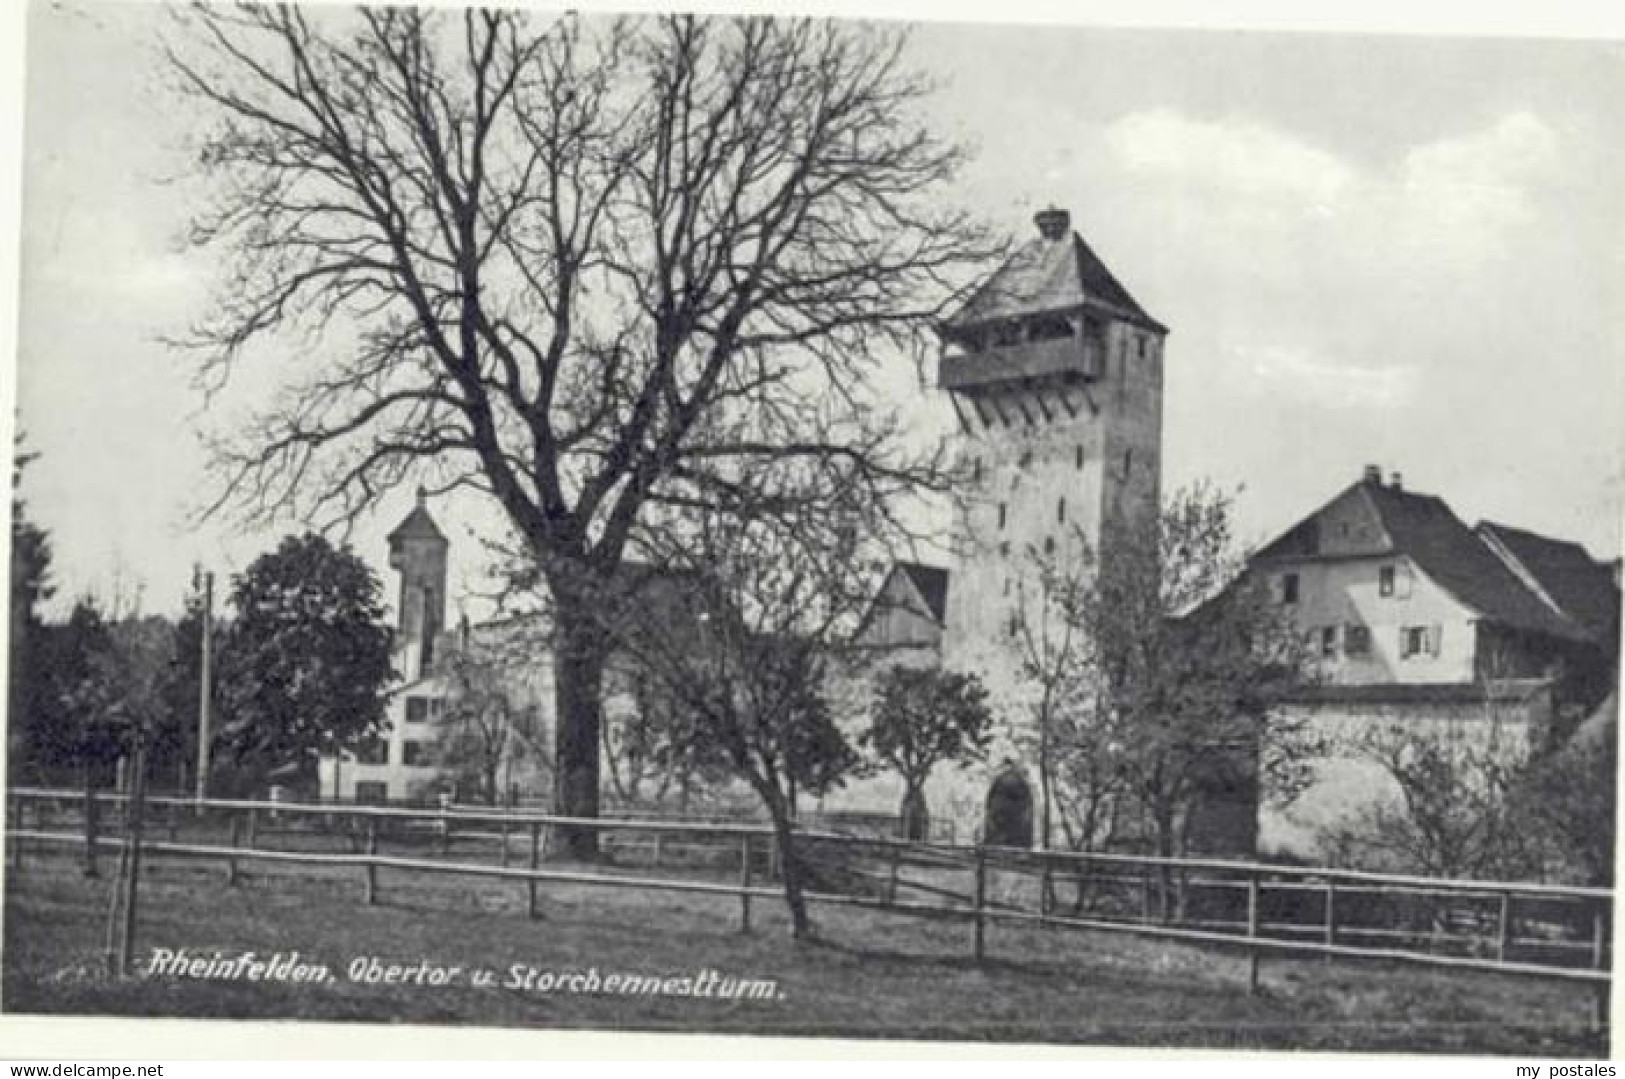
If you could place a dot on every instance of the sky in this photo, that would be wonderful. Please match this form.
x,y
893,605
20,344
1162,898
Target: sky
x,y
1369,249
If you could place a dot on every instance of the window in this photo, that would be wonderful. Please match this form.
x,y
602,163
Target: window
x,y
1025,459
1079,456
371,792
1415,641
1289,588
1049,544
1128,462
1004,548
1060,511
1385,581
417,709
372,751
415,753
1015,624
1001,514
1142,346
1328,641
1356,639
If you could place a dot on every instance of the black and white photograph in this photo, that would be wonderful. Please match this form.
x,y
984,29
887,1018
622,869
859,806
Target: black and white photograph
x,y
803,526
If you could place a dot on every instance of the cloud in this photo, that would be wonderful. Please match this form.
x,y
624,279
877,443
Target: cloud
x,y
1484,177
1329,382
1235,159
1437,206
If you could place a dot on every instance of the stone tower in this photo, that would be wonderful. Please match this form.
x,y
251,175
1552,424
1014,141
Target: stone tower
x,y
1056,375
417,550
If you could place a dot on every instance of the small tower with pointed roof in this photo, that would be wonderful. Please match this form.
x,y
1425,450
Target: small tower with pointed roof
x,y
417,551
1055,372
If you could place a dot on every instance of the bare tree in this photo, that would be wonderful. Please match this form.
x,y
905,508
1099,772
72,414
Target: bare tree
x,y
1071,734
1162,671
488,723
769,601
1457,810
543,257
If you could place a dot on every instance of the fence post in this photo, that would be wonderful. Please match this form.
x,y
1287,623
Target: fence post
x,y
891,883
1599,937
744,884
1252,933
372,865
1044,884
981,897
14,823
504,842
535,864
1331,913
236,838
252,838
91,869
1504,945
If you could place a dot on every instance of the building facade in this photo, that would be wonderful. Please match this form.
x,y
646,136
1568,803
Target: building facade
x,y
1055,373
1419,623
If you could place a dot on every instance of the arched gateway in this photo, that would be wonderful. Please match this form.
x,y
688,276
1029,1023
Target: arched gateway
x,y
1009,817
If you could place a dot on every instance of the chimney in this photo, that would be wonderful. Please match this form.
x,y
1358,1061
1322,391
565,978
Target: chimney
x,y
1396,481
1053,224
1373,473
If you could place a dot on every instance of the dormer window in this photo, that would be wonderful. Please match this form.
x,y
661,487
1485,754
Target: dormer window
x,y
1385,581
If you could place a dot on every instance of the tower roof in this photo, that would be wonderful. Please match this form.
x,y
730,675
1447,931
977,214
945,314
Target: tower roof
x,y
1053,272
417,524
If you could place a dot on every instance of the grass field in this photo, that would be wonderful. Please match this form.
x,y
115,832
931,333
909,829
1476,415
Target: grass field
x,y
868,974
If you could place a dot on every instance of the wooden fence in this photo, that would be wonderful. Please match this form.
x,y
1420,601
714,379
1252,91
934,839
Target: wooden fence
x,y
1255,909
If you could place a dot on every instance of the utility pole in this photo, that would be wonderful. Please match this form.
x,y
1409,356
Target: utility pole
x,y
205,688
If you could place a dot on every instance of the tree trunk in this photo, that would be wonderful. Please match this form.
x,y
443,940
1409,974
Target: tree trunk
x,y
913,815
789,863
578,704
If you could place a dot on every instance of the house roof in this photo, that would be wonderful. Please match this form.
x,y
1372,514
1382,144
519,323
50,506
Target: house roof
x,y
1050,275
1460,562
418,524
1565,574
1423,528
932,584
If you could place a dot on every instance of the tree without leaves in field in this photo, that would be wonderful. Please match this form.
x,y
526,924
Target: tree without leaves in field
x,y
488,721
1183,662
303,664
545,256
748,648
920,718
